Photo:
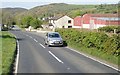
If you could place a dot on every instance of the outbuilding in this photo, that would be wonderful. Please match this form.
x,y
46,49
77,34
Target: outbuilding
x,y
94,21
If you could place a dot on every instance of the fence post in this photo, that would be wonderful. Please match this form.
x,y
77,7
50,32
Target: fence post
x,y
114,31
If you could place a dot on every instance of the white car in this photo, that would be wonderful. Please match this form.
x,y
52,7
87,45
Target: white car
x,y
53,39
15,28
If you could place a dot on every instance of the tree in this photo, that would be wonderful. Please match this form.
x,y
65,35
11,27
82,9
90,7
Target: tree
x,y
26,21
35,23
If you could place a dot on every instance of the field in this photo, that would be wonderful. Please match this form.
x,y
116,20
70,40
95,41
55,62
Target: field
x,y
8,51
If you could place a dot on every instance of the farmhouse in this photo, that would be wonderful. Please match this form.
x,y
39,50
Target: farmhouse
x,y
94,21
61,22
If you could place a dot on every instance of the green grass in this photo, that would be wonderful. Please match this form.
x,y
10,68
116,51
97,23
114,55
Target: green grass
x,y
0,54
8,51
99,54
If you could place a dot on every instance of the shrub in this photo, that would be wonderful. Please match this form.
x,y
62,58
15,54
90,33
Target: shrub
x,y
110,29
35,23
118,29
88,39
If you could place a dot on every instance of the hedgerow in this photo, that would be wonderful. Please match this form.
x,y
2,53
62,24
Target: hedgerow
x,y
110,29
89,39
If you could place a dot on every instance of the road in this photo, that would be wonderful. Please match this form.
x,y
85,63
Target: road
x,y
35,57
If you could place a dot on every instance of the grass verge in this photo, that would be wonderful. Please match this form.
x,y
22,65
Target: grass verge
x,y
98,54
0,53
8,51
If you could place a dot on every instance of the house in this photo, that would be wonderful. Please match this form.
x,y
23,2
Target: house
x,y
94,21
61,22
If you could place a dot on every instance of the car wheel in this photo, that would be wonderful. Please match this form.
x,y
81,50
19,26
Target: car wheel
x,y
45,43
48,45
62,45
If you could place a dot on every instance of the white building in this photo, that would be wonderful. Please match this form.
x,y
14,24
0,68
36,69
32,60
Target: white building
x,y
61,22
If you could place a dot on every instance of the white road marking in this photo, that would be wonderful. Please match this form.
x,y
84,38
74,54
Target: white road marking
x,y
55,57
35,40
93,59
17,59
42,45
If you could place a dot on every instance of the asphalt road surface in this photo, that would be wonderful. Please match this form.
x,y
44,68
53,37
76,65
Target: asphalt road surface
x,y
36,57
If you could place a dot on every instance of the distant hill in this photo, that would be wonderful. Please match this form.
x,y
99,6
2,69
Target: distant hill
x,y
11,13
14,9
57,9
71,10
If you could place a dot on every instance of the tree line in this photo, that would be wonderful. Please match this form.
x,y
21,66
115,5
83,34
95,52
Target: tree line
x,y
23,22
30,21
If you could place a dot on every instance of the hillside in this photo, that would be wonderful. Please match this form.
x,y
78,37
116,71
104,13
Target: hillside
x,y
72,9
56,9
9,14
12,11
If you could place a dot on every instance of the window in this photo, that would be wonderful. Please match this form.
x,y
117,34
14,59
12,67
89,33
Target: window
x,y
69,26
54,35
69,21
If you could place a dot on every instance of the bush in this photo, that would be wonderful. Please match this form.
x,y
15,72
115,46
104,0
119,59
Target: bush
x,y
88,39
110,29
118,29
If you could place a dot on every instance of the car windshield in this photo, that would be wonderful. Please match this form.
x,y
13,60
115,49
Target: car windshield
x,y
54,35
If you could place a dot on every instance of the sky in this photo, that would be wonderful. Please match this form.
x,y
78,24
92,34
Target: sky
x,y
32,3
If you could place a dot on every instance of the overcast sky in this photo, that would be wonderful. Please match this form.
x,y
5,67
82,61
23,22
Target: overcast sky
x,y
32,3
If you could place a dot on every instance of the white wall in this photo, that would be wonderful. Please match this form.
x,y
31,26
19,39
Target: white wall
x,y
93,26
86,26
63,22
99,25
76,27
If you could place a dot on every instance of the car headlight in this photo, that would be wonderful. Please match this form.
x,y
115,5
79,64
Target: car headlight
x,y
51,41
61,41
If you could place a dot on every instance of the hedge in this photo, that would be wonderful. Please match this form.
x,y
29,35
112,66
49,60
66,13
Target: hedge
x,y
98,41
110,29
